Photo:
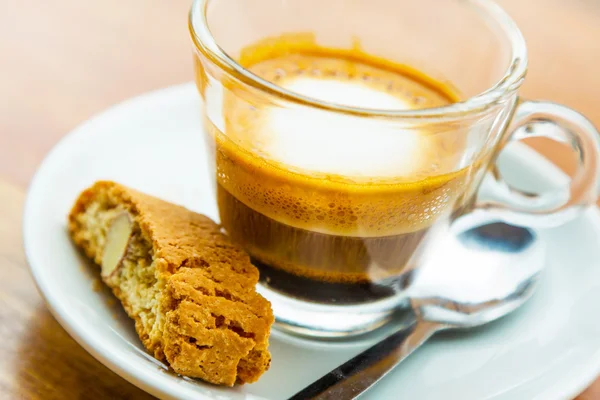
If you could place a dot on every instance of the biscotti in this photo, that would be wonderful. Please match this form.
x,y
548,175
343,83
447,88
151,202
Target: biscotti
x,y
190,291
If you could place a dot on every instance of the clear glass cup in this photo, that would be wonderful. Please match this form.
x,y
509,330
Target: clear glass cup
x,y
326,283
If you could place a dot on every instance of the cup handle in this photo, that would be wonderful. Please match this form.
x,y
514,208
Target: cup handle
x,y
562,204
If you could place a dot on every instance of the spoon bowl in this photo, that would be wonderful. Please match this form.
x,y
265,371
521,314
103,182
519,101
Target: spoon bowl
x,y
484,269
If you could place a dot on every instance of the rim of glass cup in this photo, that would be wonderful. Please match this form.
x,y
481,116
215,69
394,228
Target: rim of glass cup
x,y
510,81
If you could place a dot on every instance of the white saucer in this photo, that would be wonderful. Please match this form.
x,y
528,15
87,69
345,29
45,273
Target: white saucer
x,y
549,349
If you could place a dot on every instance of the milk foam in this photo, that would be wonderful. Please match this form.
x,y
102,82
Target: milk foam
x,y
349,93
342,144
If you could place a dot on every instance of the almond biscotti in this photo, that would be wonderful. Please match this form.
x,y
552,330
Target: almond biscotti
x,y
190,291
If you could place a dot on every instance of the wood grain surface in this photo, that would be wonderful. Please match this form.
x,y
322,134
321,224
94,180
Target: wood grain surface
x,y
65,60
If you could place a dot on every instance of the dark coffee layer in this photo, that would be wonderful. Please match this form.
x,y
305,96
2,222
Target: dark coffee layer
x,y
312,290
314,255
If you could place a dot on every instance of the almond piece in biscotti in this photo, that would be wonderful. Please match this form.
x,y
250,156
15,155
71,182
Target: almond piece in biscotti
x,y
117,242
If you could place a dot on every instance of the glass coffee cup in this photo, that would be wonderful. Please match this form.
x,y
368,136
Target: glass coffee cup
x,y
346,137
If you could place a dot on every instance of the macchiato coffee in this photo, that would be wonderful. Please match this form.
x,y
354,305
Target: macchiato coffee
x,y
331,206
345,161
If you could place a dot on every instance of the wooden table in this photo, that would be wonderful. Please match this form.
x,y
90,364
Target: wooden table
x,y
64,60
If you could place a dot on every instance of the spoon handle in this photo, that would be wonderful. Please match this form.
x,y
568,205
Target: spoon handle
x,y
351,379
